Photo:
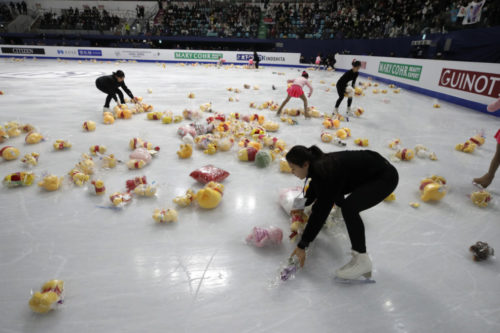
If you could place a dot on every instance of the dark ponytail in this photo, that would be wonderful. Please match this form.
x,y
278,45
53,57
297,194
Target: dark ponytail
x,y
119,73
299,155
305,74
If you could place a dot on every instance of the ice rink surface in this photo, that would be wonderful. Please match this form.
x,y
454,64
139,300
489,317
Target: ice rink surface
x,y
125,273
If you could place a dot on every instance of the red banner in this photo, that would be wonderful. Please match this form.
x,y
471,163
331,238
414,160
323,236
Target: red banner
x,y
486,84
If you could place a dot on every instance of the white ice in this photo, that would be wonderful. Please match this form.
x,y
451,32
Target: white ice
x,y
125,273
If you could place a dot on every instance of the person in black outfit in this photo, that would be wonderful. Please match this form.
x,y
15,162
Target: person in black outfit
x,y
256,59
110,85
365,175
349,76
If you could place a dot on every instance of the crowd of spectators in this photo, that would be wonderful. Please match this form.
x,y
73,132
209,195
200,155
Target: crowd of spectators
x,y
75,19
8,12
216,19
370,18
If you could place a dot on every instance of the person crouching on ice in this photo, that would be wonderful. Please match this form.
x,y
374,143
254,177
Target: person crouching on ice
x,y
349,77
110,85
296,91
365,175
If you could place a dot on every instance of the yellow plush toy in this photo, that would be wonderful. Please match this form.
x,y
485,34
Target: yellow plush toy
x,y
99,187
136,164
89,126
167,119
162,215
108,118
51,183
109,161
391,197
361,142
394,144
326,137
432,188
155,115
191,95
478,140
119,198
467,147
3,135
481,198
86,165
271,126
331,123
375,91
383,91
61,145
185,151
211,149
33,138
78,177
31,159
210,196
9,153
124,114
422,152
359,111
145,190
405,154
19,179
186,199
436,106
397,91
12,129
46,300
343,133
94,150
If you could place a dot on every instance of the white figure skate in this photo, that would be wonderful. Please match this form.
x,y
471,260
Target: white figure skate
x,y
360,265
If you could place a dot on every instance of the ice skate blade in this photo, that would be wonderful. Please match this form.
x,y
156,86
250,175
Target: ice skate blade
x,y
363,280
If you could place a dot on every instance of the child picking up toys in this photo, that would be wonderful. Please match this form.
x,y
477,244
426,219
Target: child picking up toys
x,y
487,178
295,90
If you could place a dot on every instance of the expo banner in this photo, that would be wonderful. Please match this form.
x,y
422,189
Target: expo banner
x,y
470,84
235,57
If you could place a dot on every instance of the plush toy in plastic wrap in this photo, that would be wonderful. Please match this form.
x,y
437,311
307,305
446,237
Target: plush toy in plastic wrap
x,y
481,251
433,188
191,115
343,133
48,298
135,143
131,184
51,183
423,152
331,123
225,144
478,139
9,153
185,151
403,155
271,126
165,215
349,92
33,138
186,199
394,144
210,196
247,154
97,149
261,237
141,154
12,129
108,118
3,135
89,126
99,188
263,159
362,142
209,173
18,179
155,115
467,147
61,145
191,95
86,165
146,190
30,159
109,161
119,199
211,148
480,198
298,223
79,178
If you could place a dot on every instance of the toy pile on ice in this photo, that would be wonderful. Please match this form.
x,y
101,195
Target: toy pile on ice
x,y
261,237
481,251
470,145
480,198
433,188
18,179
48,298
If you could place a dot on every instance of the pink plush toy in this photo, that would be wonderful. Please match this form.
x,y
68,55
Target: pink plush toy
x,y
141,154
187,129
261,237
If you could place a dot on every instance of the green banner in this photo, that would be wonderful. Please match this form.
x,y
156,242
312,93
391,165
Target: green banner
x,y
197,55
411,72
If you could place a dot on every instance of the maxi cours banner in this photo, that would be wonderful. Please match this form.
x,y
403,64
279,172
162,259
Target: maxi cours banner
x,y
237,57
470,84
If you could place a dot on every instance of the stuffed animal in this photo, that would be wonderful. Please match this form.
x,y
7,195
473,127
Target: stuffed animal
x,y
12,129
210,196
108,118
361,142
331,123
186,199
89,126
19,179
124,114
51,183
211,148
391,197
263,159
343,133
359,111
375,91
191,95
414,204
61,145
185,151
392,86
397,91
9,153
284,166
136,164
422,152
405,154
349,92
394,144
31,159
78,177
432,188
141,154
138,142
383,91
478,139
467,147
162,215
109,161
298,223
225,144
481,198
86,165
155,115
33,138
167,119
326,137
261,237
99,187
271,126
131,184
3,135
94,150
145,190
481,251
48,298
436,106
247,154
258,118
119,198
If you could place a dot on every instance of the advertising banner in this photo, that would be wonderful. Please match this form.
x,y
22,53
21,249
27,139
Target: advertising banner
x,y
480,83
411,72
23,50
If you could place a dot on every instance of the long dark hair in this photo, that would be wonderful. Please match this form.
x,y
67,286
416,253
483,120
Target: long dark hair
x,y
299,155
306,75
119,73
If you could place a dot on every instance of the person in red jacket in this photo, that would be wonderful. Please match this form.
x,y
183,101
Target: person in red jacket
x,y
365,175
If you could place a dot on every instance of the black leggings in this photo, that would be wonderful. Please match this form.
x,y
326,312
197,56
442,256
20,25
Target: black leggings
x,y
364,197
111,95
341,92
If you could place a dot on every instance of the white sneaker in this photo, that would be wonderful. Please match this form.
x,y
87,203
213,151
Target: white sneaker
x,y
360,265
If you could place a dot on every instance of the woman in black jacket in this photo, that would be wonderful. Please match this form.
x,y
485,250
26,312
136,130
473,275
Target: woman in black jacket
x,y
110,85
365,175
349,77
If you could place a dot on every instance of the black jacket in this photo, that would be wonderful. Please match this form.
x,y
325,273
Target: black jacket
x,y
332,177
110,85
348,76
